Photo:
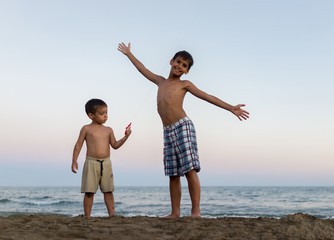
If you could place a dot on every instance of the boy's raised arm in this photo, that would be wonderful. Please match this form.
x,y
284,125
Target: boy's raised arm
x,y
141,68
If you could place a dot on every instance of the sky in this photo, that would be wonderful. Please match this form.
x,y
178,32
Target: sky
x,y
276,57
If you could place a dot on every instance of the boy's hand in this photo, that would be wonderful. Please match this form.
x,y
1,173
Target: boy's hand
x,y
124,49
75,166
128,129
239,112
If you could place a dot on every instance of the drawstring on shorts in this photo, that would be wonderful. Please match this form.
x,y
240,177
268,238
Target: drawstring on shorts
x,y
101,163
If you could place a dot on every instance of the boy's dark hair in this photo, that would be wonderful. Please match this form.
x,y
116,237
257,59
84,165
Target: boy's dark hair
x,y
93,104
186,56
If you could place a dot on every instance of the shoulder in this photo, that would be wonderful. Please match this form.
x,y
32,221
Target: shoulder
x,y
107,129
159,80
187,83
83,131
85,128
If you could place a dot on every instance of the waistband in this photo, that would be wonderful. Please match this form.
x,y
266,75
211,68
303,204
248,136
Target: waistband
x,y
100,160
97,159
178,123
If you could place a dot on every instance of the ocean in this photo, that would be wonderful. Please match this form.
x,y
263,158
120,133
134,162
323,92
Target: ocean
x,y
251,202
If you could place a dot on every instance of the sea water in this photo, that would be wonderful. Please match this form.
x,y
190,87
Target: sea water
x,y
154,201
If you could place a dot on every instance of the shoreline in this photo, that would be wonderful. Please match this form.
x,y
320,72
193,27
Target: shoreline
x,y
295,226
46,214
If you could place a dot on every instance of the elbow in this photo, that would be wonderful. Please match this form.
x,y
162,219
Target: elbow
x,y
116,146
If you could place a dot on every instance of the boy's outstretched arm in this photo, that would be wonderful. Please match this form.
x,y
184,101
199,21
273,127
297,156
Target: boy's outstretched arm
x,y
236,110
141,68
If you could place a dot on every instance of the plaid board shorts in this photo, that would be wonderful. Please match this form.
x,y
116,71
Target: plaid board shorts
x,y
180,148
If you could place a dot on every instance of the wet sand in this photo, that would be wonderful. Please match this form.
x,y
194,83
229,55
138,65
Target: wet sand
x,y
297,226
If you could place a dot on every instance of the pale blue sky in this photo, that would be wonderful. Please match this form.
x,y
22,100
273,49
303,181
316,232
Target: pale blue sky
x,y
277,57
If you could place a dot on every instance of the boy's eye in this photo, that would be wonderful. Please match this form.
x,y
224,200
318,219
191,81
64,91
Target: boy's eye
x,y
184,65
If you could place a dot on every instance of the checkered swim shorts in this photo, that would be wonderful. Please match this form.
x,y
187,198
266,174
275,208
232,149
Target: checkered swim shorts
x,y
180,148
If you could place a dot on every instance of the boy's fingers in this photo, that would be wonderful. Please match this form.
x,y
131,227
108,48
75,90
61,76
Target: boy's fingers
x,y
127,129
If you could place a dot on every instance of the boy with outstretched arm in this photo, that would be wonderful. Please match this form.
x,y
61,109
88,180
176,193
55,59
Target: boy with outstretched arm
x,y
97,168
180,145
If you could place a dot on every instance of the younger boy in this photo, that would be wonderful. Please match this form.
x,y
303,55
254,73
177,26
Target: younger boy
x,y
97,168
180,146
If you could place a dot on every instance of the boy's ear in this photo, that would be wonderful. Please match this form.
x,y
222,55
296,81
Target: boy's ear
x,y
91,115
171,61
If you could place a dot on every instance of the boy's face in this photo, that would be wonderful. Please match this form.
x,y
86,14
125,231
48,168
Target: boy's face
x,y
179,66
100,116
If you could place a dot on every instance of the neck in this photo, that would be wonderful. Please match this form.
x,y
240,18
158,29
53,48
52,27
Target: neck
x,y
96,123
173,77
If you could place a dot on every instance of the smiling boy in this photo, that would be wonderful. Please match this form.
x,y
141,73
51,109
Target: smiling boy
x,y
180,144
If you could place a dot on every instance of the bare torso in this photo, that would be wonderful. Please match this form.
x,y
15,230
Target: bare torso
x,y
170,101
97,140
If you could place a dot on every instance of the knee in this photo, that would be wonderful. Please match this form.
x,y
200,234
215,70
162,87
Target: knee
x,y
192,176
108,194
191,173
89,195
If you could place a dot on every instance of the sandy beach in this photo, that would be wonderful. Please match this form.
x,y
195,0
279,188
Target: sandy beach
x,y
297,226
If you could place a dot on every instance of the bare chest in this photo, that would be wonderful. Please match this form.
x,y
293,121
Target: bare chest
x,y
97,135
170,93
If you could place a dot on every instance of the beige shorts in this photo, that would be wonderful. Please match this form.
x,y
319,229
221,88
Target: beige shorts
x,y
97,172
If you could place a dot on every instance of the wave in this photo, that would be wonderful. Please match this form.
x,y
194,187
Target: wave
x,y
37,198
51,203
5,200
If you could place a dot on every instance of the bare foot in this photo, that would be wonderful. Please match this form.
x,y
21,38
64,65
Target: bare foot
x,y
194,215
172,216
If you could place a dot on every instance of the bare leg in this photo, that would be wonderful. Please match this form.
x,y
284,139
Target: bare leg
x,y
88,203
175,196
194,187
110,203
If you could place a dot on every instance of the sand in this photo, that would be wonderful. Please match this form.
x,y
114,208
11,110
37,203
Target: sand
x,y
297,226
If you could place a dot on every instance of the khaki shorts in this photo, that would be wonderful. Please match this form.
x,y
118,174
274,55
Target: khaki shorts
x,y
97,172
